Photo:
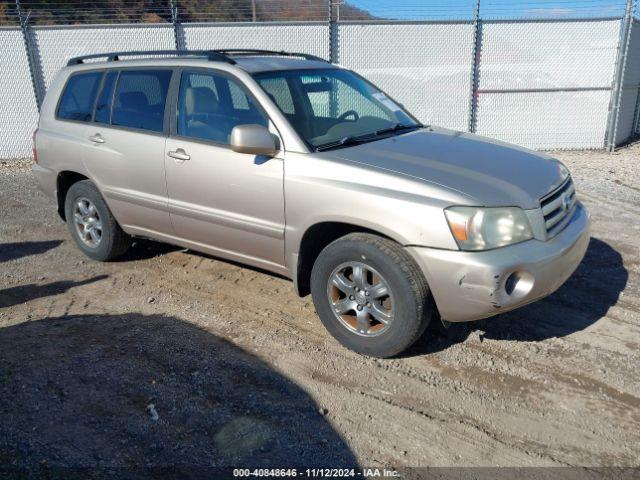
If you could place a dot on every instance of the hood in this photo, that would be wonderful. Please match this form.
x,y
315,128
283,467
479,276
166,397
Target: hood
x,y
491,173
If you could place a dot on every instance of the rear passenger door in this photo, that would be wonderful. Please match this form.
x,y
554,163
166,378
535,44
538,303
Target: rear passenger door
x,y
231,203
127,138
64,142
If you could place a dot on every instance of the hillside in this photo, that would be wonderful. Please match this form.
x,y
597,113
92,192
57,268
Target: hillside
x,y
48,12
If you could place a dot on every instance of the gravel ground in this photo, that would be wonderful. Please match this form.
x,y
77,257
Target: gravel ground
x,y
169,357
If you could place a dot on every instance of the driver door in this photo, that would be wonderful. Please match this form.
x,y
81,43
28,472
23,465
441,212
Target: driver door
x,y
228,203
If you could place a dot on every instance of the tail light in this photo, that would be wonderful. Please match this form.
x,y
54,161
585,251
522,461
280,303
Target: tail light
x,y
35,150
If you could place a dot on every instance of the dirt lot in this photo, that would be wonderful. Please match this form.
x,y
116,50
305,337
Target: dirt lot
x,y
240,372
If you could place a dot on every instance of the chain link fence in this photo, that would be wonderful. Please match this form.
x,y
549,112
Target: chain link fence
x,y
629,112
561,79
547,84
18,107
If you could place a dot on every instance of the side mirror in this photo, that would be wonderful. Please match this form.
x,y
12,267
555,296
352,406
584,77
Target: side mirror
x,y
253,139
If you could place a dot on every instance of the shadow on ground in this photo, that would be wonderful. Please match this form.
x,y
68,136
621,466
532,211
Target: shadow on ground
x,y
10,297
143,249
584,299
77,391
13,251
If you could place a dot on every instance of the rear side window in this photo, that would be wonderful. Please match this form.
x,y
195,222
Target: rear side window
x,y
140,99
103,105
79,96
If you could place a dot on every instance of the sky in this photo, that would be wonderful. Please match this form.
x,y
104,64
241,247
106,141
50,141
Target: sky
x,y
460,9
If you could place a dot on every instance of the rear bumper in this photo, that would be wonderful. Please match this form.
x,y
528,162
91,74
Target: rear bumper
x,y
474,285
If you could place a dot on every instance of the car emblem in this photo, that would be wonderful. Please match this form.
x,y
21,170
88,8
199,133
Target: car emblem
x,y
566,203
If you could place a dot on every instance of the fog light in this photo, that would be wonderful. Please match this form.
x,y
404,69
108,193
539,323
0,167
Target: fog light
x,y
518,284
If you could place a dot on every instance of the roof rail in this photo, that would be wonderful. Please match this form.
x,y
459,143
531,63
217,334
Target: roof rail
x,y
212,55
236,52
115,56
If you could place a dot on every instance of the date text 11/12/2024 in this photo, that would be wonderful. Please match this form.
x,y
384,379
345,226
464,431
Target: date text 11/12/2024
x,y
316,472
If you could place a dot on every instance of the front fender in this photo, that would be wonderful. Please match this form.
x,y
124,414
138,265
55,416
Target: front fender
x,y
319,190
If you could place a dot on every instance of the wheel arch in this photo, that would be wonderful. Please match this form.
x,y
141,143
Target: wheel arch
x,y
64,181
315,238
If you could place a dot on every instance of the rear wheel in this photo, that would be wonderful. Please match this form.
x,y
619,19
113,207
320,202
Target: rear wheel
x,y
370,295
91,223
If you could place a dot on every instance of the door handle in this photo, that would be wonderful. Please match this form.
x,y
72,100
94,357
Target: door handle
x,y
97,138
179,154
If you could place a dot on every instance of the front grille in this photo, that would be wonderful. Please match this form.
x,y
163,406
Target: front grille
x,y
558,207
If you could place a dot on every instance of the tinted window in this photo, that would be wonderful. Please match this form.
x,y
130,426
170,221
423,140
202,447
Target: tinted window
x,y
140,98
79,96
210,105
103,105
238,98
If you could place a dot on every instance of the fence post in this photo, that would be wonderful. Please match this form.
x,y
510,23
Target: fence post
x,y
618,80
475,68
635,129
35,69
178,31
334,18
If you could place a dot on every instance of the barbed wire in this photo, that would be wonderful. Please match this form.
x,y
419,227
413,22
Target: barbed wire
x,y
70,12
524,9
57,12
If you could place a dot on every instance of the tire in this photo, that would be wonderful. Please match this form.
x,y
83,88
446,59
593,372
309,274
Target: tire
x,y
112,242
408,307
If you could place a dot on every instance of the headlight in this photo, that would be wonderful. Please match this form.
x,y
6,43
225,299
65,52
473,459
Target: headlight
x,y
476,228
564,171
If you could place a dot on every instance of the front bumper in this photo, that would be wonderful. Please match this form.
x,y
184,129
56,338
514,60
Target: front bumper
x,y
474,285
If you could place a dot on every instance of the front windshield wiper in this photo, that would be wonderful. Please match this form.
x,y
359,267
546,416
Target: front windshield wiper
x,y
398,127
349,140
368,137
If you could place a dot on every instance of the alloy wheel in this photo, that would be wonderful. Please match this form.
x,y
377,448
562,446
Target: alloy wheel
x,y
360,298
87,222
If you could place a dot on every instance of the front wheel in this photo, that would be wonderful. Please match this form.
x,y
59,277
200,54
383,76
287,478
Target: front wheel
x,y
370,295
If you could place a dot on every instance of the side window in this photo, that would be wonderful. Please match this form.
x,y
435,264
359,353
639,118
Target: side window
x,y
211,105
103,105
238,97
140,99
79,96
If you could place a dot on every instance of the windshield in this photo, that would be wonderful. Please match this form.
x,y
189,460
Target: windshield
x,y
331,108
